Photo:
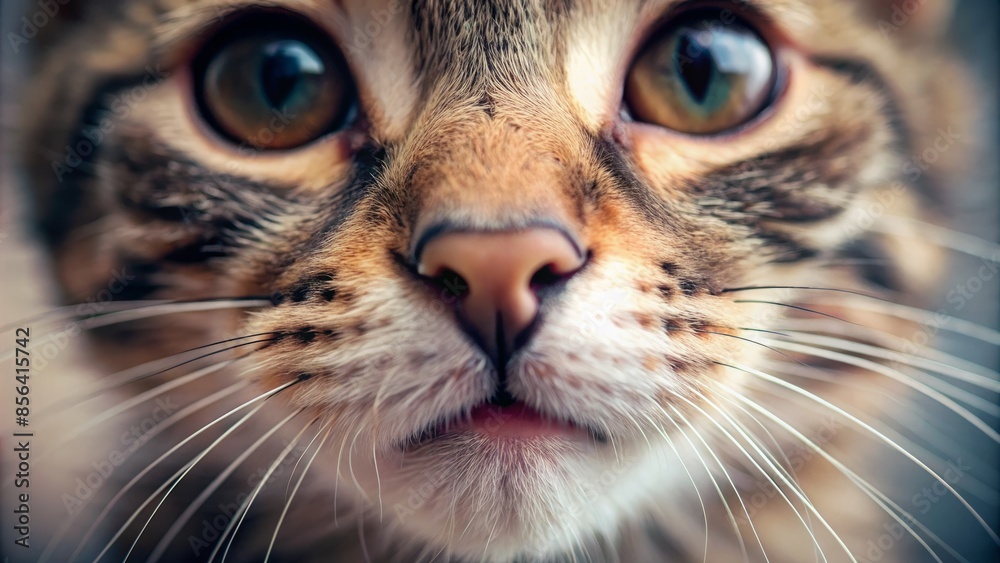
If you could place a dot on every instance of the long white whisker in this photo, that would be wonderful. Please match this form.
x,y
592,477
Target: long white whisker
x,y
93,528
193,507
134,314
147,438
857,421
897,376
765,450
295,490
987,383
234,524
73,311
151,369
928,232
795,489
172,482
926,318
142,398
892,342
879,498
715,484
918,426
168,309
315,437
694,485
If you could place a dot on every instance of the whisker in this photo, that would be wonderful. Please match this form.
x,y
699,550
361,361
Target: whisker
x,y
803,288
210,489
950,390
896,375
141,398
262,397
794,489
916,425
187,469
936,320
880,499
715,484
295,490
168,309
302,456
153,432
889,341
744,339
694,485
795,307
987,383
142,371
126,311
941,236
67,312
233,524
764,449
867,427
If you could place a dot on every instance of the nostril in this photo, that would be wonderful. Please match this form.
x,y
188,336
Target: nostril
x,y
547,275
557,272
452,282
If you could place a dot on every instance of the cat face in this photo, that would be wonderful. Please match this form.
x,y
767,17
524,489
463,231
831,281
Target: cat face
x,y
501,241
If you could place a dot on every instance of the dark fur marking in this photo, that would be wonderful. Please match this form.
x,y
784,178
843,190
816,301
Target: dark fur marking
x,y
876,267
617,163
689,287
142,287
197,252
784,249
62,212
306,334
300,292
769,186
309,287
673,324
862,72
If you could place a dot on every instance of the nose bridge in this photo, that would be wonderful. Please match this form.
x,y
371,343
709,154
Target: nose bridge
x,y
495,172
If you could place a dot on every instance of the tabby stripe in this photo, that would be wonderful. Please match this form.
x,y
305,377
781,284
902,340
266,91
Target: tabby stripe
x,y
862,72
62,214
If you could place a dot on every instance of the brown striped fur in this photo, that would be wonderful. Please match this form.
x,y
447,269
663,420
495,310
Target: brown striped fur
x,y
485,115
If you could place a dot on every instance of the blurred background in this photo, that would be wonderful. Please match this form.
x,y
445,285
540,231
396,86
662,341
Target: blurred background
x,y
975,35
975,207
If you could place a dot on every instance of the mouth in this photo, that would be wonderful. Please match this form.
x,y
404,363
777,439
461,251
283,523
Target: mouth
x,y
507,420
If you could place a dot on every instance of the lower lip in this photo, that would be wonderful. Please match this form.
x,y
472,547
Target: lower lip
x,y
519,421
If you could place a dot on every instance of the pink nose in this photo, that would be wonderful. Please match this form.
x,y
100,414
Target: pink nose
x,y
502,274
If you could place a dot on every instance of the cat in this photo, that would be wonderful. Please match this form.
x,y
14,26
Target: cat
x,y
486,281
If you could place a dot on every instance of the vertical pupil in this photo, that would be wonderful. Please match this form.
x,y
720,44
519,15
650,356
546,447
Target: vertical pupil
x,y
695,65
280,72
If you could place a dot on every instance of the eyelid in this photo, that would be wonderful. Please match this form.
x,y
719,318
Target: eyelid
x,y
754,14
182,33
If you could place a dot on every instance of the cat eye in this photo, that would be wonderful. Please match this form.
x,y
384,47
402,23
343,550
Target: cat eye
x,y
701,75
274,85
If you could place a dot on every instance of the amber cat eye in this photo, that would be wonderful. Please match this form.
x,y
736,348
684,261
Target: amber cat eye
x,y
704,73
274,86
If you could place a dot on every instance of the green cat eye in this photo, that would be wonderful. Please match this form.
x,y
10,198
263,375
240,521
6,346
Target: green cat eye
x,y
274,87
702,75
